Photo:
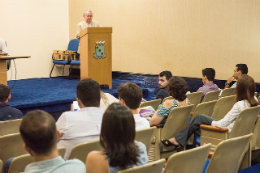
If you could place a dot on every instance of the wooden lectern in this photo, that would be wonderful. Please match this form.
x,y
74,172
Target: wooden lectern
x,y
96,55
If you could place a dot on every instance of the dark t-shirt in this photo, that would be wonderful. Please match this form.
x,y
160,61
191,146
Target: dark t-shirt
x,y
162,93
9,113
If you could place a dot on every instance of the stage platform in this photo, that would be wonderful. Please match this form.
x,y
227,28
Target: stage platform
x,y
56,94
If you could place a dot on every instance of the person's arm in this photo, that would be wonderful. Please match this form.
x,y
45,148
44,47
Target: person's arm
x,y
162,112
61,125
96,162
229,117
230,79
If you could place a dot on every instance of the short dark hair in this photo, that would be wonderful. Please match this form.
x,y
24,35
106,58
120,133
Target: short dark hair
x,y
209,73
167,74
38,131
131,93
177,88
4,92
118,135
243,68
88,91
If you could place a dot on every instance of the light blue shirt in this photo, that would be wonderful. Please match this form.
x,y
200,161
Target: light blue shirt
x,y
56,165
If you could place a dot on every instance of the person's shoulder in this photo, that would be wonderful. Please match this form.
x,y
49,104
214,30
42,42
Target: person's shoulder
x,y
74,165
140,145
81,23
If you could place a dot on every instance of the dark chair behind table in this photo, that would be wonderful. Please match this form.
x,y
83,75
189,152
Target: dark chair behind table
x,y
73,46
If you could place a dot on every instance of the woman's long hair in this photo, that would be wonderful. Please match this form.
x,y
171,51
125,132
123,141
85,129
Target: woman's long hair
x,y
177,88
245,89
118,135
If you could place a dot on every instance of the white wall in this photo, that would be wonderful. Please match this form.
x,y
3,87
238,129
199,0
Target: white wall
x,y
34,28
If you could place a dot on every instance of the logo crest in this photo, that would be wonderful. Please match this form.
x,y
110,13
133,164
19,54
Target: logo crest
x,y
100,48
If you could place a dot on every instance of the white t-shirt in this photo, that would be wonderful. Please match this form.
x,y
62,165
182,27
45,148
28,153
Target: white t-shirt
x,y
3,47
79,127
140,122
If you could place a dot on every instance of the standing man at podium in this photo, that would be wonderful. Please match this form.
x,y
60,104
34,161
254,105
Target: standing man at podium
x,y
87,22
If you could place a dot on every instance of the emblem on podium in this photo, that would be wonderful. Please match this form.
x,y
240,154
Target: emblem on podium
x,y
100,48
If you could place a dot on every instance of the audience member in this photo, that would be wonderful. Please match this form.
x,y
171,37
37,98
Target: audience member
x,y
239,70
244,99
83,125
118,140
3,47
177,88
163,83
130,95
7,112
208,75
40,135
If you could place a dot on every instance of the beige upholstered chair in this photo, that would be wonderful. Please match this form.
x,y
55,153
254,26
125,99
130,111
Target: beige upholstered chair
x,y
154,103
152,167
9,127
228,92
175,123
20,162
195,158
223,106
194,99
167,98
258,100
11,146
244,125
228,155
256,136
1,165
145,136
212,95
81,151
202,108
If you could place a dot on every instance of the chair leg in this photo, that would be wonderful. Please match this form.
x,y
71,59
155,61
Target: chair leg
x,y
63,70
52,69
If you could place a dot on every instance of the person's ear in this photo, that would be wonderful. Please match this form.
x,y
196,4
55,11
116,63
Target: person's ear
x,y
27,149
79,103
122,101
239,73
9,97
58,135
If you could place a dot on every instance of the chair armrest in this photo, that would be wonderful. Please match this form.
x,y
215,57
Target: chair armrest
x,y
191,113
213,128
158,126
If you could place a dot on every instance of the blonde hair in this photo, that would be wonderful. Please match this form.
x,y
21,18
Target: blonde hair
x,y
104,98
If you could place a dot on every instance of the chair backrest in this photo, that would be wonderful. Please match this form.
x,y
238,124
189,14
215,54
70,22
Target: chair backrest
x,y
194,99
258,100
145,136
154,103
212,95
228,92
152,167
195,158
223,106
228,155
9,127
81,151
256,136
204,108
245,122
1,165
11,146
73,45
167,98
176,121
20,162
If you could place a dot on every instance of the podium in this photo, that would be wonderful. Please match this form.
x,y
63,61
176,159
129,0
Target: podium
x,y
96,55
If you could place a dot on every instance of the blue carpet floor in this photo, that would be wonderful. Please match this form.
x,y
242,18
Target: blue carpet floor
x,y
252,169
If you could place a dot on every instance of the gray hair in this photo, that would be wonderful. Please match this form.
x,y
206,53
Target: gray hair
x,y
86,11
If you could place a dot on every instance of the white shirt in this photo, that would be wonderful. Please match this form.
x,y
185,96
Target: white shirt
x,y
79,127
229,120
140,122
3,47
234,85
111,99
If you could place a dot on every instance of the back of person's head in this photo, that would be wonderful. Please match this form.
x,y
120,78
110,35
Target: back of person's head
x,y
177,88
4,93
118,135
209,73
38,130
131,93
167,74
88,91
243,68
245,89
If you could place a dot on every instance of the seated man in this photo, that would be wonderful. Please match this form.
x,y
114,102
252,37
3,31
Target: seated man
x,y
40,136
6,111
130,95
83,125
163,82
208,75
239,70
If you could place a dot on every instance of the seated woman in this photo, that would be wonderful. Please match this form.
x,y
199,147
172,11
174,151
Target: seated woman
x,y
177,88
244,99
118,140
